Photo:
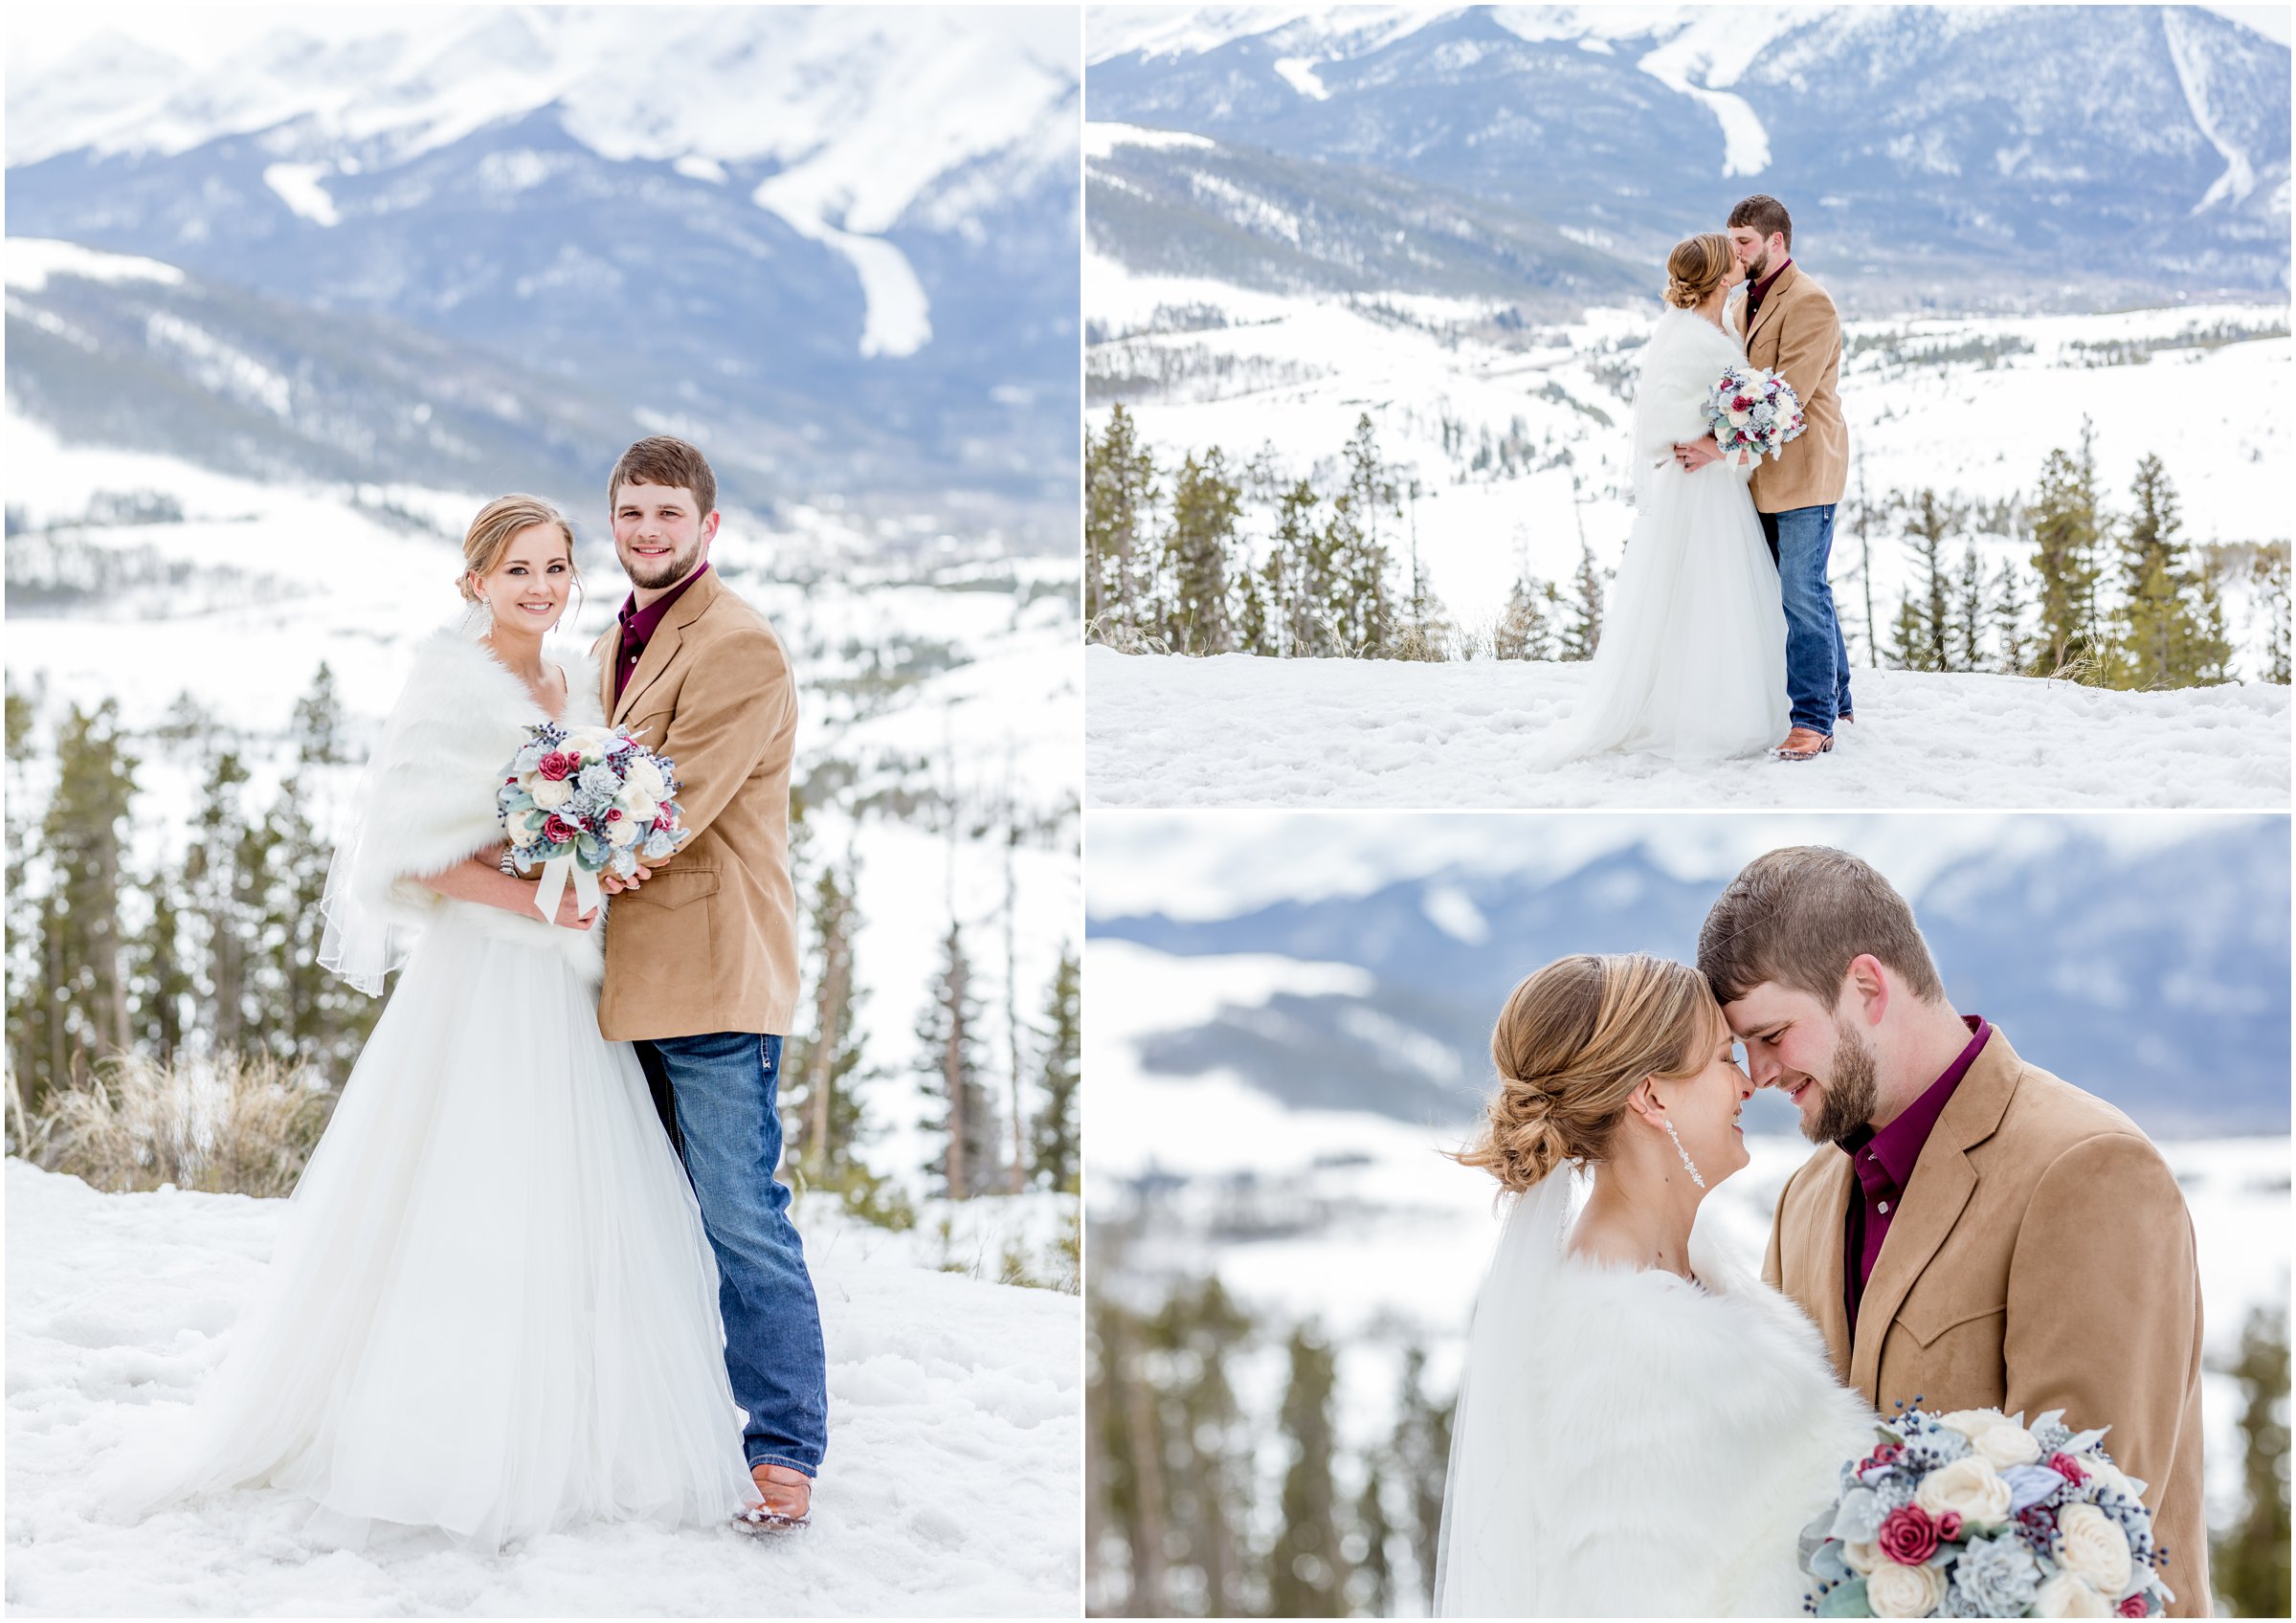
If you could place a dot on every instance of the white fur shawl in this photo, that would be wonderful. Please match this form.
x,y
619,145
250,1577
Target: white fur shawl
x,y
1682,361
427,800
1658,1452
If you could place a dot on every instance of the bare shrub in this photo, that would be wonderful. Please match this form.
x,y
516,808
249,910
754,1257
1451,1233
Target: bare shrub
x,y
229,1124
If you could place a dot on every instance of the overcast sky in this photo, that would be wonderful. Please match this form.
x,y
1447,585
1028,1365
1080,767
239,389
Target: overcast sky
x,y
1215,864
39,34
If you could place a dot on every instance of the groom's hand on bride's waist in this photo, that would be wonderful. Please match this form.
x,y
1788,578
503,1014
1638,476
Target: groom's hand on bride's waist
x,y
1695,453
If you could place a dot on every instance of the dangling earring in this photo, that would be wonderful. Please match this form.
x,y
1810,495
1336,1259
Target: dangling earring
x,y
1688,1164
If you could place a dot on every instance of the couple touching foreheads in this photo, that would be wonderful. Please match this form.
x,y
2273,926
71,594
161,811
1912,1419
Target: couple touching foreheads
x,y
1644,1426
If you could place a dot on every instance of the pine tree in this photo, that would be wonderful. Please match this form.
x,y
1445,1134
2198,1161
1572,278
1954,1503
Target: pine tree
x,y
1423,1454
1307,1570
1527,630
1583,632
2268,573
1055,1152
159,975
2170,630
1204,508
317,725
2250,1560
77,1008
1910,645
1305,599
1375,1586
1198,1333
1255,626
827,1063
1925,623
2008,611
1363,603
1120,501
1968,613
1126,1487
223,945
25,982
2066,536
960,1114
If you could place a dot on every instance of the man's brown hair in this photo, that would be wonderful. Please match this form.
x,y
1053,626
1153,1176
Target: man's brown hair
x,y
1766,215
665,460
1796,917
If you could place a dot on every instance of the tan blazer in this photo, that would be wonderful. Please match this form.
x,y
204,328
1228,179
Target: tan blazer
x,y
2042,1259
1798,334
709,943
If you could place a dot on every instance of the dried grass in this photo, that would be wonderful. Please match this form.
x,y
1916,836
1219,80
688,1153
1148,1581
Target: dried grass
x,y
229,1124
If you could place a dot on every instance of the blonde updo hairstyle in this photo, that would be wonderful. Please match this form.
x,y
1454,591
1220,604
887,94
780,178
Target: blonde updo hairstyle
x,y
489,535
1695,268
1573,1043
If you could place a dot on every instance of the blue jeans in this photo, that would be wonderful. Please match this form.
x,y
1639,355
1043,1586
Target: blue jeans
x,y
1818,662
716,1093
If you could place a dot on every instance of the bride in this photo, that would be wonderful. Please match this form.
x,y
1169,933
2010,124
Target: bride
x,y
1643,1428
492,1309
1692,659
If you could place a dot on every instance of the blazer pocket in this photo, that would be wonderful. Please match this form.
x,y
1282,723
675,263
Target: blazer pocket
x,y
1929,1322
674,887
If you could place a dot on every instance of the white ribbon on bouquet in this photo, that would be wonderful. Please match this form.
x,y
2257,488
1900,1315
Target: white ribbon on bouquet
x,y
550,888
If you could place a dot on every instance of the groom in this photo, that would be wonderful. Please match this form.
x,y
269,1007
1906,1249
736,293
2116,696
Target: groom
x,y
702,958
1788,325
1973,1231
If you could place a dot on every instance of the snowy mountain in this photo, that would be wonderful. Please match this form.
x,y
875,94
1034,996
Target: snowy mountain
x,y
1958,156
844,240
2157,980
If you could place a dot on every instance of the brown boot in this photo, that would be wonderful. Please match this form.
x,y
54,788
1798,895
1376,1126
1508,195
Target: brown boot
x,y
1802,743
787,1501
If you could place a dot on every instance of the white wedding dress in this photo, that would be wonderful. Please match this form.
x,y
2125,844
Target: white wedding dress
x,y
491,1308
1691,664
1628,1444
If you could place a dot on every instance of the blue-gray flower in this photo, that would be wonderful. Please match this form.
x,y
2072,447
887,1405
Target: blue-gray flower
x,y
598,781
1994,1578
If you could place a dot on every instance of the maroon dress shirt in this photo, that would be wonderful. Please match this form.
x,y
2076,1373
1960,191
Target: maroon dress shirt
x,y
1760,291
1883,1162
639,624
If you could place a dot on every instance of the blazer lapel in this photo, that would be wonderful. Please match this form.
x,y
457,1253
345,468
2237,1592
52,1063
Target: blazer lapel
x,y
1827,1210
662,646
607,652
1771,301
1932,1203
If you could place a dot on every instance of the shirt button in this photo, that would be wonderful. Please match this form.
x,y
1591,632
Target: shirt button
x,y
1883,1208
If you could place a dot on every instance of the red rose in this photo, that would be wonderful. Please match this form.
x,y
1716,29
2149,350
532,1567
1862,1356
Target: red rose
x,y
614,814
554,767
664,821
2133,1607
2066,1466
1742,404
1907,1536
558,830
1949,1525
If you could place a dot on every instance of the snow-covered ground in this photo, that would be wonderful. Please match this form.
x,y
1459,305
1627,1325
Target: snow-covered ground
x,y
1234,730
1360,1223
952,1487
1970,406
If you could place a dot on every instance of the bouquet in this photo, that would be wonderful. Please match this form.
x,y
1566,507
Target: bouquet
x,y
1972,1514
1753,411
584,803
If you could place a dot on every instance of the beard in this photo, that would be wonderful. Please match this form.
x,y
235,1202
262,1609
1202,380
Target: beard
x,y
652,575
1847,1101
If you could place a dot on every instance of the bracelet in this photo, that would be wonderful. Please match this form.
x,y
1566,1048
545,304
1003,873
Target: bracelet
x,y
509,867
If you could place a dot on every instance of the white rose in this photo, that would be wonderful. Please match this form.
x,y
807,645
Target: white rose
x,y
1970,1487
2068,1596
1737,419
642,806
2006,1444
1892,1590
523,835
622,831
1972,1423
646,778
1862,1557
2091,1546
583,741
551,795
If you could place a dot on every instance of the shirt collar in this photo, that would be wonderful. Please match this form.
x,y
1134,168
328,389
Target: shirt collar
x,y
1892,1150
638,625
1761,289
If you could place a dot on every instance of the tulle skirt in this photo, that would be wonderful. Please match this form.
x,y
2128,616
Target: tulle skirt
x,y
1691,664
491,1308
